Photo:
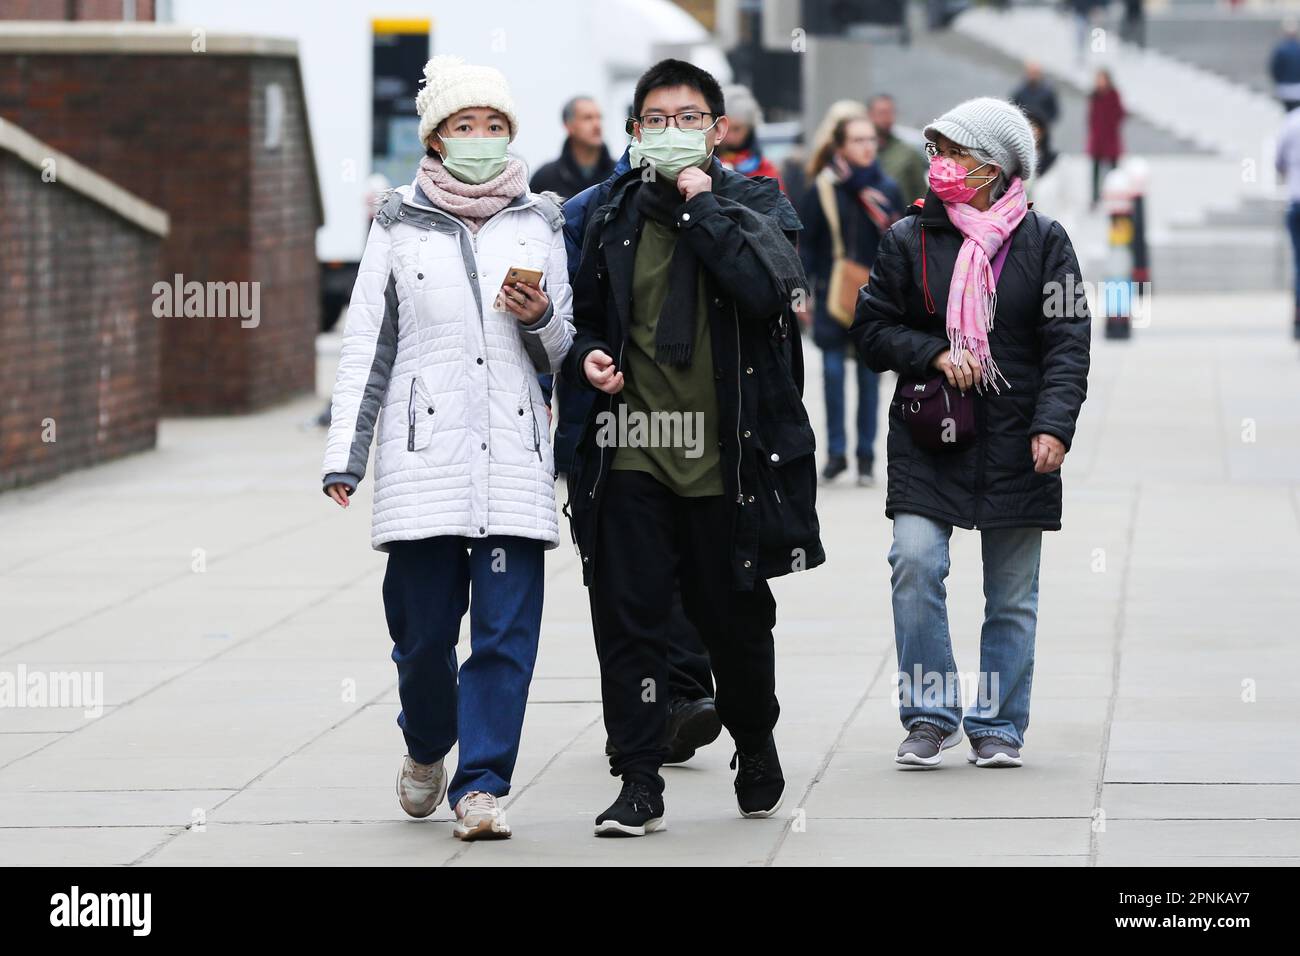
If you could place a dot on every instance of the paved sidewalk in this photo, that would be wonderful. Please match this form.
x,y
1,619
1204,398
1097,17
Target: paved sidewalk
x,y
250,704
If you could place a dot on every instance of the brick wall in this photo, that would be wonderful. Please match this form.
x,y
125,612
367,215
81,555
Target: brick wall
x,y
78,341
73,10
183,132
284,222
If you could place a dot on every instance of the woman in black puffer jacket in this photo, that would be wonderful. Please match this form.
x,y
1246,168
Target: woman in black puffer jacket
x,y
1020,358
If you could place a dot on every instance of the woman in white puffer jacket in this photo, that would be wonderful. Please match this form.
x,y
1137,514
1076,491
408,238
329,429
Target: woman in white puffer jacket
x,y
440,361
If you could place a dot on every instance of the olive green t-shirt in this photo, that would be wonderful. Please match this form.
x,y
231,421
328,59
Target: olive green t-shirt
x,y
679,448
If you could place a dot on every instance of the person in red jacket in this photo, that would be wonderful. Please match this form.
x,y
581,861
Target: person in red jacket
x,y
1105,116
739,150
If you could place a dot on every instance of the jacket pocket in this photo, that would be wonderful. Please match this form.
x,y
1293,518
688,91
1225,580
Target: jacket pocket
x,y
420,415
534,426
789,534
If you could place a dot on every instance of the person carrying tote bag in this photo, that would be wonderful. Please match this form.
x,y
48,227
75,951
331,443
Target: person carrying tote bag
x,y
847,275
850,206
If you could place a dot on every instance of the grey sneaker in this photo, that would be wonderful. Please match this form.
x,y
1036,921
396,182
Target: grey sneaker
x,y
421,787
925,744
993,752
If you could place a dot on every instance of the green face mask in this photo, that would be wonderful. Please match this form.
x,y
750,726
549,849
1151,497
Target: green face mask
x,y
670,150
475,159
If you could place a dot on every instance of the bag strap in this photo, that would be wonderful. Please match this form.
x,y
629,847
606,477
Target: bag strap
x,y
831,210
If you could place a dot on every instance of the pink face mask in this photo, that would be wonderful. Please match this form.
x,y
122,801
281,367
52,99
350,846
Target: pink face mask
x,y
948,180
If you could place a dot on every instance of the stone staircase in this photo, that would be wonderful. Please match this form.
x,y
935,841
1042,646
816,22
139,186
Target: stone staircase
x,y
1210,226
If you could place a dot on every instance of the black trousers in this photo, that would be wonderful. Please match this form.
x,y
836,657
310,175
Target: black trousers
x,y
647,541
690,675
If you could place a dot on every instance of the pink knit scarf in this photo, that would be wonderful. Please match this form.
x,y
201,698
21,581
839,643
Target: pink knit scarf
x,y
475,204
973,294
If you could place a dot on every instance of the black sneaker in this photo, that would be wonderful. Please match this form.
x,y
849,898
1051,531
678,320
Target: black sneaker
x,y
836,465
610,749
760,787
865,477
637,811
692,724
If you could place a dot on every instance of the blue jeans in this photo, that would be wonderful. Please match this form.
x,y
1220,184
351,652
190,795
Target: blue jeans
x,y
929,685
428,586
1293,227
833,361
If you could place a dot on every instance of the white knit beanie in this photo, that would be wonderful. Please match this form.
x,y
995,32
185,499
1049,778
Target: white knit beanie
x,y
995,126
452,85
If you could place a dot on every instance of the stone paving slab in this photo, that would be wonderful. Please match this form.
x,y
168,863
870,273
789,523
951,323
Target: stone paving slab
x,y
236,620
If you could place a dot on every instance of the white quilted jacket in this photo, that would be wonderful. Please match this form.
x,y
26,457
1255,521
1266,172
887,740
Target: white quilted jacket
x,y
448,384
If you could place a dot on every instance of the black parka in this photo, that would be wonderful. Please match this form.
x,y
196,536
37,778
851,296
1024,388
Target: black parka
x,y
766,441
1040,340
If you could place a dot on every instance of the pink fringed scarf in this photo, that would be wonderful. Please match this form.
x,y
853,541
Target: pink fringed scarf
x,y
474,204
973,294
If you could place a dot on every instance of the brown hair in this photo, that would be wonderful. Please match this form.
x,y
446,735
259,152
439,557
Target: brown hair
x,y
838,134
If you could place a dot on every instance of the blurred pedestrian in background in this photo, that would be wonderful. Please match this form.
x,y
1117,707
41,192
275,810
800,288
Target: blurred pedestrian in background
x,y
850,206
740,149
1036,95
983,416
465,524
901,161
1087,15
1105,117
1051,189
584,161
1288,167
1284,66
1133,23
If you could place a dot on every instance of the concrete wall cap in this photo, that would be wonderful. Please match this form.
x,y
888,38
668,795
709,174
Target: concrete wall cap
x,y
70,173
52,37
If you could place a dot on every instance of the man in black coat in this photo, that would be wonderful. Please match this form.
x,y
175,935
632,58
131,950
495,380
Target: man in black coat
x,y
584,161
1036,96
682,313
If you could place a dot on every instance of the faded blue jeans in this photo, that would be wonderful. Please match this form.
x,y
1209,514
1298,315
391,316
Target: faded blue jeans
x,y
429,584
833,381
930,688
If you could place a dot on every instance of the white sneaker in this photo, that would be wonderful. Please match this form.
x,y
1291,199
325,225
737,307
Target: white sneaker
x,y
421,787
478,817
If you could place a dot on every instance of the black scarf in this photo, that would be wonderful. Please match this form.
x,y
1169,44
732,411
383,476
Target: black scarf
x,y
659,200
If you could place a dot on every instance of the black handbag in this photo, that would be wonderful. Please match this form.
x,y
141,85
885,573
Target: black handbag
x,y
937,416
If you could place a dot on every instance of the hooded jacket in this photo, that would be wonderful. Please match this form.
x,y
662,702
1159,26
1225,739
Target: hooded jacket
x,y
445,384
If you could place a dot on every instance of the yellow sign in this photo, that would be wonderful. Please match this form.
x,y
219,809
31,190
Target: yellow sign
x,y
1121,231
399,25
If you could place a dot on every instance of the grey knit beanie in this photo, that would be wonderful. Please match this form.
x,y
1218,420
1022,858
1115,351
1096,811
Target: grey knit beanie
x,y
995,126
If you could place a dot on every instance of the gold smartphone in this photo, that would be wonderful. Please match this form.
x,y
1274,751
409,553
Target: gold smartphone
x,y
531,277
